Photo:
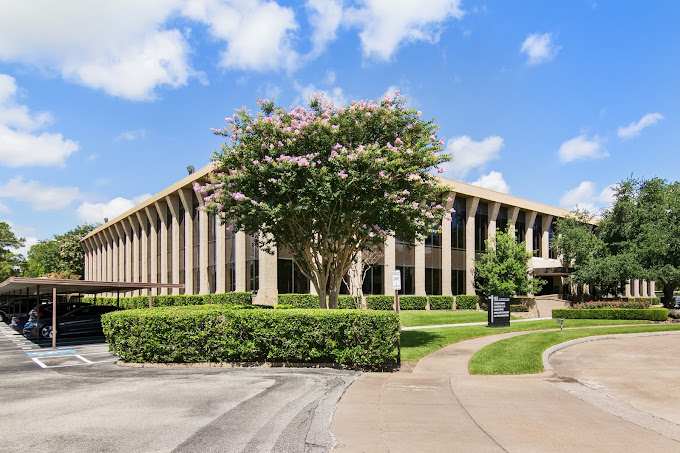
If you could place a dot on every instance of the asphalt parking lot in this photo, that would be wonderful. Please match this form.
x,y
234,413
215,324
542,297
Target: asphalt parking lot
x,y
81,401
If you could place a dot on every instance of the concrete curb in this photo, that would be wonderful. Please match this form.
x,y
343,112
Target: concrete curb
x,y
466,324
234,365
551,350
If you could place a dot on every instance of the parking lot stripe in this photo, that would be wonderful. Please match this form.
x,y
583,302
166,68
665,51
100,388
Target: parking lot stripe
x,y
36,360
83,359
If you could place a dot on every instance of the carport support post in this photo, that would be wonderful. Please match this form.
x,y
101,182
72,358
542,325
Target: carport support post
x,y
37,312
54,318
150,297
117,299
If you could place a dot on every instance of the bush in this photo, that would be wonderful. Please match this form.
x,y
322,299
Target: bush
x,y
464,302
298,300
217,333
675,314
349,302
235,298
441,302
380,302
412,302
650,314
630,303
519,308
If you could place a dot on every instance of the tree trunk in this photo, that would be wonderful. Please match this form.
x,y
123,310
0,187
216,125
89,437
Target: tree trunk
x,y
668,295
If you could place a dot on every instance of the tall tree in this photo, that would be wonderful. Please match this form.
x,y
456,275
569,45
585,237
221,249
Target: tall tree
x,y
59,257
503,269
328,182
42,259
643,224
9,262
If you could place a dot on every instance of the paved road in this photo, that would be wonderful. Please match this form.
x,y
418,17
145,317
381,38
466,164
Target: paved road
x,y
83,402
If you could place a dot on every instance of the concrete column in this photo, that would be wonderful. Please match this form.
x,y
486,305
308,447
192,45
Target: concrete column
x,y
127,227
513,213
203,248
446,248
471,209
636,288
86,260
220,258
162,212
494,207
268,291
420,268
645,289
240,245
390,264
144,246
97,257
173,204
545,239
652,289
529,233
152,215
136,250
120,232
185,198
113,240
355,274
628,292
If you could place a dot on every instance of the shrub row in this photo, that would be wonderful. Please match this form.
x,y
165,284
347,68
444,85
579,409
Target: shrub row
x,y
215,333
174,300
519,308
464,302
420,302
298,300
349,302
650,314
630,303
649,300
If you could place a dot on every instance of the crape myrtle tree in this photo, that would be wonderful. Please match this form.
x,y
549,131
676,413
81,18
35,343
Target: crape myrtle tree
x,y
503,269
644,223
60,257
327,182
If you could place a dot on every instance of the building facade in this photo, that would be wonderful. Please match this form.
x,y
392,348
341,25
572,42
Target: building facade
x,y
170,239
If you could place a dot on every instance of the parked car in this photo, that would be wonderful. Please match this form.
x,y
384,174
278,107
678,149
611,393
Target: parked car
x,y
85,319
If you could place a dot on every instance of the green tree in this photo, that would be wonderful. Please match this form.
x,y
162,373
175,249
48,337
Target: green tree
x,y
328,182
10,263
642,228
590,258
71,254
42,259
503,269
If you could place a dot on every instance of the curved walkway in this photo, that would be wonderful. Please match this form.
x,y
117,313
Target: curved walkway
x,y
440,407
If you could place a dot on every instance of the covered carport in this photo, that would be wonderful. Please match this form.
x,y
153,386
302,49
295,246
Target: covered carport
x,y
34,288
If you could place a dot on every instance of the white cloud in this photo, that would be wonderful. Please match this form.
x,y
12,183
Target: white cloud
x,y
585,196
468,154
97,212
493,181
4,208
634,128
20,143
258,34
582,148
385,25
539,48
334,94
325,17
130,136
40,197
122,47
30,241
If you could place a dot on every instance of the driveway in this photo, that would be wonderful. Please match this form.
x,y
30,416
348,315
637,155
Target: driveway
x,y
91,405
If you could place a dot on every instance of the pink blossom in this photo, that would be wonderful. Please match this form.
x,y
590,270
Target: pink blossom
x,y
406,192
433,138
420,113
441,142
447,217
248,128
256,162
398,141
368,114
229,120
449,199
238,196
383,175
440,170
342,174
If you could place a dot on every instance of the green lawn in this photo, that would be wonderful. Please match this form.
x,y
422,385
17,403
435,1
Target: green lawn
x,y
435,317
416,344
523,354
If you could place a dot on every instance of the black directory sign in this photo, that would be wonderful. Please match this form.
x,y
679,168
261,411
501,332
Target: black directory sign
x,y
499,311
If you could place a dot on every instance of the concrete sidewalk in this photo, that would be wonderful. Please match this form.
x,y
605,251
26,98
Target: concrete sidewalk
x,y
465,324
439,407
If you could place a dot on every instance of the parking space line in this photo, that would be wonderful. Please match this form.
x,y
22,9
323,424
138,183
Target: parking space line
x,y
36,360
83,358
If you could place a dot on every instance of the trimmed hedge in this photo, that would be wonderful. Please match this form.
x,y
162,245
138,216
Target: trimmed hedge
x,y
380,302
650,314
650,300
630,303
464,302
215,333
441,302
519,308
348,302
175,300
412,302
298,300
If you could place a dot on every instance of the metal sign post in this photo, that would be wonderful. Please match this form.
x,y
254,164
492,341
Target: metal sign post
x,y
499,311
396,286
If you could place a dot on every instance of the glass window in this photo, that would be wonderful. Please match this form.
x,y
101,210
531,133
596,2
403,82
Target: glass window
x,y
230,272
196,253
502,218
252,265
433,264
521,227
552,253
458,224
212,252
433,282
538,232
289,277
168,250
148,250
182,246
373,283
457,282
159,252
481,226
408,279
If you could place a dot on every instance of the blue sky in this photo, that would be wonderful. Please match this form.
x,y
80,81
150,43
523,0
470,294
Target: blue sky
x,y
104,103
